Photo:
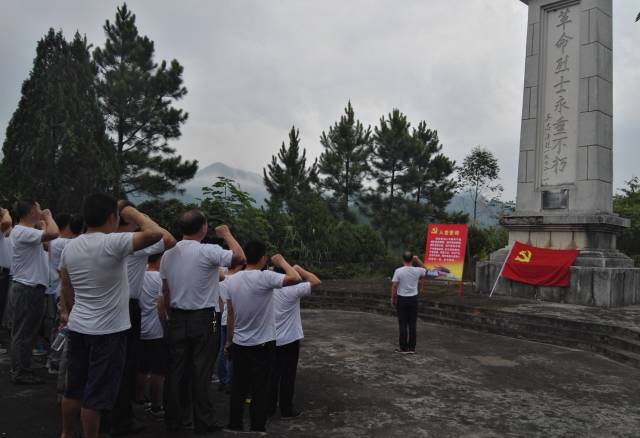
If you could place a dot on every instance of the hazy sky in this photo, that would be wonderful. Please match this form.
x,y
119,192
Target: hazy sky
x,y
254,68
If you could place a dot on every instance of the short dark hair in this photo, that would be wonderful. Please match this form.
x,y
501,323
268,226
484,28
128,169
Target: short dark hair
x,y
254,251
63,220
191,222
22,208
97,208
407,256
76,224
155,257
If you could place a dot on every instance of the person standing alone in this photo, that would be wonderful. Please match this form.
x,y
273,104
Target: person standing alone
x,y
404,296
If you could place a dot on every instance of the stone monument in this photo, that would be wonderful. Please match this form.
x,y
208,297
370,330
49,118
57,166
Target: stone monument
x,y
565,172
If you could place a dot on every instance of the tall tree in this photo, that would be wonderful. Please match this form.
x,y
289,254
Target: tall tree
x,y
478,174
393,146
288,177
428,178
137,95
56,149
344,159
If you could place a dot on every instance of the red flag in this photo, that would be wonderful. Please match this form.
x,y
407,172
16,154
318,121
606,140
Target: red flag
x,y
539,266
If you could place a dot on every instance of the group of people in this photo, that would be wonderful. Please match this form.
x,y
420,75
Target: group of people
x,y
141,315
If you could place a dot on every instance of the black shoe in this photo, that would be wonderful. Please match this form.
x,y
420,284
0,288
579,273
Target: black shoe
x,y
27,379
291,415
134,428
210,429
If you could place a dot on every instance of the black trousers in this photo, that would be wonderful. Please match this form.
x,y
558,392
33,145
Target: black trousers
x,y
407,308
5,281
27,310
122,414
251,370
191,341
283,378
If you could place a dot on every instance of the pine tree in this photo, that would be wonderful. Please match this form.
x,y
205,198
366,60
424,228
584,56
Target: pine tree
x,y
344,159
287,178
392,149
56,149
428,179
137,96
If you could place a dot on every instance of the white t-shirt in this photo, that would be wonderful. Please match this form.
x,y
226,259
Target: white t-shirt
x,y
55,251
137,266
286,303
6,251
407,278
224,295
29,264
98,274
191,269
251,295
150,325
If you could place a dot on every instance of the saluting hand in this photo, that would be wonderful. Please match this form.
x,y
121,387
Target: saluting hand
x,y
222,231
277,260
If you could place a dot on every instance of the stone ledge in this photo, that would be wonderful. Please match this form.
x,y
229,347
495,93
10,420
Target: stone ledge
x,y
590,286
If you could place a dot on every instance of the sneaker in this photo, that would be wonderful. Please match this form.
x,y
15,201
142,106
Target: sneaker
x,y
156,412
39,351
400,351
213,428
411,351
290,415
27,379
134,428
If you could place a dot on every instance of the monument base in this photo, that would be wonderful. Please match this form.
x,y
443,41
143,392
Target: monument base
x,y
589,286
601,275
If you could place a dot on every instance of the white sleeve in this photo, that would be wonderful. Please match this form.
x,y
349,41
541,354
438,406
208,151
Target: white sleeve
x,y
163,268
302,289
156,248
62,264
119,245
223,291
216,255
274,280
395,277
423,272
29,235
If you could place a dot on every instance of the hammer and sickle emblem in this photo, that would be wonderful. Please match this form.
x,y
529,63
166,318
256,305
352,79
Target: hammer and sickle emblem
x,y
523,256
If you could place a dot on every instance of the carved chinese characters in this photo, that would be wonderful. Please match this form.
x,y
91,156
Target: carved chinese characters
x,y
560,94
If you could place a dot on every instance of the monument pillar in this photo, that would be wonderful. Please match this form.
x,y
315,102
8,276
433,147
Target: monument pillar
x,y
565,171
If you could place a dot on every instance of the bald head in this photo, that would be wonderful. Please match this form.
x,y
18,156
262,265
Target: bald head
x,y
191,222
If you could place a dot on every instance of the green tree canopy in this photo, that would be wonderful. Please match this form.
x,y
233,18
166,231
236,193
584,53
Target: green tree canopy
x,y
478,173
137,95
392,149
343,162
627,205
56,149
288,178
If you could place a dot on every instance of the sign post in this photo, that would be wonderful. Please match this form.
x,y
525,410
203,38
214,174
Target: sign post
x,y
445,250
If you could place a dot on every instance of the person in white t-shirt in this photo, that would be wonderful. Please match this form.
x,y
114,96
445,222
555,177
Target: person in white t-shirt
x,y
190,275
251,331
6,254
123,421
30,277
95,290
404,296
286,303
70,227
153,350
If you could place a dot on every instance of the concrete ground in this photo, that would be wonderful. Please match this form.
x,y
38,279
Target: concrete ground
x,y
459,384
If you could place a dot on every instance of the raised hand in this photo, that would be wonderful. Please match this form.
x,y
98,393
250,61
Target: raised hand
x,y
222,231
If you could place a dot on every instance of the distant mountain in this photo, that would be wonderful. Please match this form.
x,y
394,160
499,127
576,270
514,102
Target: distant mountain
x,y
488,212
249,182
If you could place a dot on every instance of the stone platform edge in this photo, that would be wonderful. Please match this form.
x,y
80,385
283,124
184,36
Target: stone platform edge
x,y
589,286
